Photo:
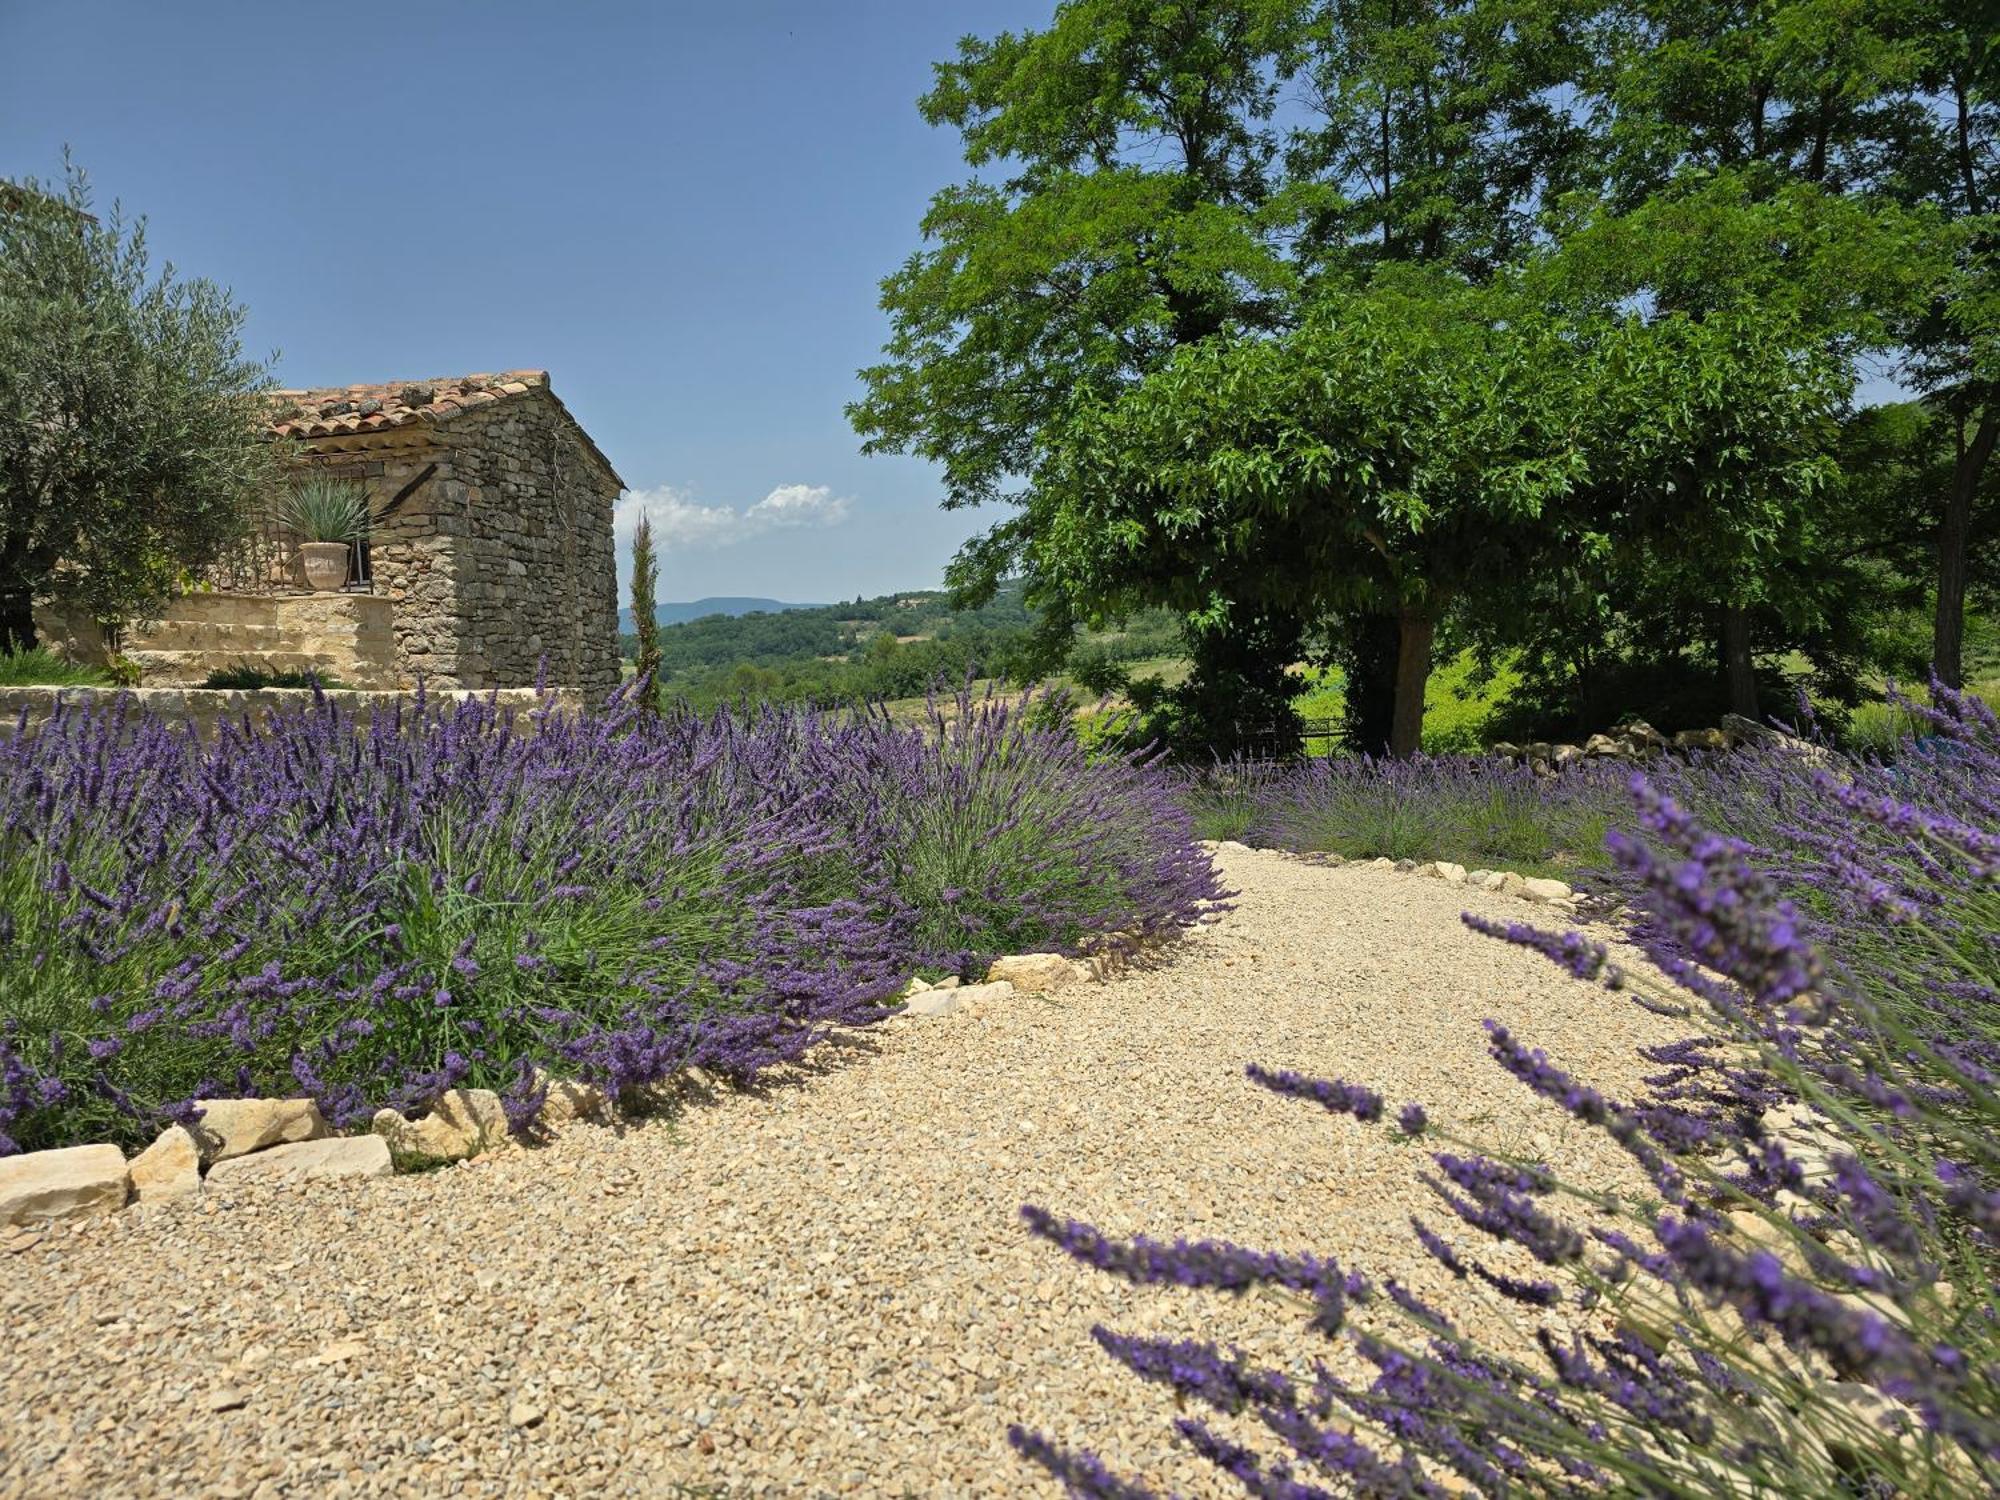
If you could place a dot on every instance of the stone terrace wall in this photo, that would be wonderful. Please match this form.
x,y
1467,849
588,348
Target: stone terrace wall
x,y
535,566
205,707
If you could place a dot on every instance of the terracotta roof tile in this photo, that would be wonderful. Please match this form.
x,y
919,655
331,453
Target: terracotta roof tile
x,y
333,410
348,410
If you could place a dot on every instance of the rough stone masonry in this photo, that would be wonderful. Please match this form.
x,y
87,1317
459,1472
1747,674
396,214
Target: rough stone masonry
x,y
499,557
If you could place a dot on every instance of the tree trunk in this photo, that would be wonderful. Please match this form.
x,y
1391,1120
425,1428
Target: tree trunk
x,y
1954,531
1413,675
1738,663
17,621
1367,658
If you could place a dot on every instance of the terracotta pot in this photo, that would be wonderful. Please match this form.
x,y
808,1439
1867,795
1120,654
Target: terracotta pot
x,y
326,564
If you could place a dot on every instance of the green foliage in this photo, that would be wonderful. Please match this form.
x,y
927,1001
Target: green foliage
x,y
322,508
1238,694
1138,216
895,646
39,667
131,445
248,677
1403,446
1624,265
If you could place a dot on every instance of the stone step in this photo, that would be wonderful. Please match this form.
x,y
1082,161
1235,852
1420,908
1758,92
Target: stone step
x,y
196,635
191,668
204,635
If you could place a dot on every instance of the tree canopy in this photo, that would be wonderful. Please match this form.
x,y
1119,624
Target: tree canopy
x,y
1359,320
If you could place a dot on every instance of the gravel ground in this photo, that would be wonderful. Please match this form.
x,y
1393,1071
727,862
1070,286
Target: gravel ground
x,y
823,1287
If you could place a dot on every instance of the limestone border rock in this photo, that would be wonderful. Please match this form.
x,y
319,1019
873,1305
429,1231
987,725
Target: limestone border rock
x,y
956,1001
66,1183
331,1156
460,1123
1538,890
243,1140
169,1168
1033,973
236,1127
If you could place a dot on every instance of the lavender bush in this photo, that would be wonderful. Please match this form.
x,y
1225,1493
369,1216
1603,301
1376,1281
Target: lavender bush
x,y
1474,809
1801,1302
1002,833
373,917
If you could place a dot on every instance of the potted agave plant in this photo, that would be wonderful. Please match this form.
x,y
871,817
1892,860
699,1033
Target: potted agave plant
x,y
329,515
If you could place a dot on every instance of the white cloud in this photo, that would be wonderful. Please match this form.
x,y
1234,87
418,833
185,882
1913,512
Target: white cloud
x,y
680,524
792,505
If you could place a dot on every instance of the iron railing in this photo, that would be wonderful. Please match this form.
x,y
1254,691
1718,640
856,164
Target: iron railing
x,y
266,560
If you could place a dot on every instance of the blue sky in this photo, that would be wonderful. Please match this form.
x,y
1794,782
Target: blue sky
x,y
680,210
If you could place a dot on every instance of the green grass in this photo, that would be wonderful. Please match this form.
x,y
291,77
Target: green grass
x,y
1495,833
1879,727
42,668
1456,707
1477,813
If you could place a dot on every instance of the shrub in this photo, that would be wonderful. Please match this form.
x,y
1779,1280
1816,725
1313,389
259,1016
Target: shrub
x,y
1002,833
321,508
39,667
1476,810
247,677
373,917
1790,1309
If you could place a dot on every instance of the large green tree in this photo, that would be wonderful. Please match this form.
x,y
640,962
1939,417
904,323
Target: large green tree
x,y
1409,443
1952,161
131,443
1709,212
1874,100
1144,194
1743,312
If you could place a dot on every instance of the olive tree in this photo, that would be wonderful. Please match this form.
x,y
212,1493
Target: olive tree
x,y
131,442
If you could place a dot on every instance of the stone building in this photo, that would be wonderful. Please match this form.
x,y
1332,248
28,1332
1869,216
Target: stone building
x,y
490,536
489,555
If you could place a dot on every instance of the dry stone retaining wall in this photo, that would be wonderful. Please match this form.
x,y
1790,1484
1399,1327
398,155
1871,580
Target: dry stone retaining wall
x,y
33,707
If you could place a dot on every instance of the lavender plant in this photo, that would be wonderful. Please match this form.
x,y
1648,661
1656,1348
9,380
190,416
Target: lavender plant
x,y
1800,1300
1478,810
373,916
1002,833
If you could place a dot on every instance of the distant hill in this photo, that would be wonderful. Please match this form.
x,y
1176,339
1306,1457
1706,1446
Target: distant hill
x,y
679,613
724,632
888,647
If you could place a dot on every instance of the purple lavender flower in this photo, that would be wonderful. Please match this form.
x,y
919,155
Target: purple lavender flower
x,y
1214,1264
1083,1475
1339,1097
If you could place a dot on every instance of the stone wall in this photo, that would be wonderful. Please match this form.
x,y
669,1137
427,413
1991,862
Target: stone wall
x,y
503,558
344,638
205,707
538,580
413,556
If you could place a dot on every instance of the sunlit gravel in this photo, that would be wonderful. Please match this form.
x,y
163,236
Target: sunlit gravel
x,y
823,1287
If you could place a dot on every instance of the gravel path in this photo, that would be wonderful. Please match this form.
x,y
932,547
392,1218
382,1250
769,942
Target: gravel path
x,y
822,1288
